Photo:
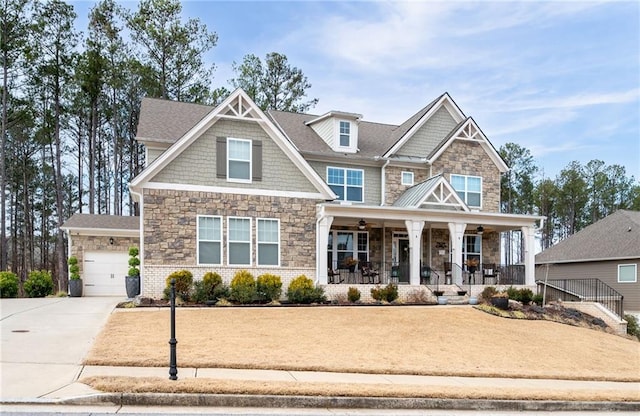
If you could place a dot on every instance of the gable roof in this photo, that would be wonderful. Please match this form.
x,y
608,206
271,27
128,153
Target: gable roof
x,y
166,121
436,192
237,106
111,223
614,237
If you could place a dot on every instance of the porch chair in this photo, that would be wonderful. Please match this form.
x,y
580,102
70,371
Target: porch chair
x,y
369,275
331,274
489,271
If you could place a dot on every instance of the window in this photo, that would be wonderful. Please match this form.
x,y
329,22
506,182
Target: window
x,y
239,241
346,183
209,240
239,159
343,244
469,188
268,242
407,178
345,134
627,273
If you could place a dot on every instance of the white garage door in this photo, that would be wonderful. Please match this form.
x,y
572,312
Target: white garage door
x,y
104,273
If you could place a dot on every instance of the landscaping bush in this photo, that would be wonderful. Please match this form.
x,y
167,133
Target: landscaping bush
x,y
302,290
268,287
487,293
74,269
243,287
184,283
513,293
39,284
633,328
388,293
525,296
134,262
353,294
538,299
210,288
9,284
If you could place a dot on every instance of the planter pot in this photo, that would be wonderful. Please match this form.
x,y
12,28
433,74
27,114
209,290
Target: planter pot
x,y
500,303
442,300
462,292
438,293
472,269
75,288
133,286
473,300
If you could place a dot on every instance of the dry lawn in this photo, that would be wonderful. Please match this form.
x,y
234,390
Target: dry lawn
x,y
456,341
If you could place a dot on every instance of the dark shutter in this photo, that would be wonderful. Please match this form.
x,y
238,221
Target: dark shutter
x,y
257,161
221,157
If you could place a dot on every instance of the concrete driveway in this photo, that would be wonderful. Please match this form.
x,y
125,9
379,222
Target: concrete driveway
x,y
44,341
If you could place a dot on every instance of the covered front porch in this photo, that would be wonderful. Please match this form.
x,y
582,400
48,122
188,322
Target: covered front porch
x,y
414,246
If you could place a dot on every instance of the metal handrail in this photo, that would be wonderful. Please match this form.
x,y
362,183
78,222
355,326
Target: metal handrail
x,y
589,289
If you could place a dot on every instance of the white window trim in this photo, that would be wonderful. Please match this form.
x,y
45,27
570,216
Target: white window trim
x,y
229,178
635,268
466,188
345,181
409,183
211,241
229,241
277,220
349,146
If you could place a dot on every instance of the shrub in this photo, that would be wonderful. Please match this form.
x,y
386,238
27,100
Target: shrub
x,y
243,287
268,287
353,294
388,293
210,288
39,284
525,296
302,290
513,293
538,299
420,296
633,328
487,293
9,283
134,262
184,283
74,269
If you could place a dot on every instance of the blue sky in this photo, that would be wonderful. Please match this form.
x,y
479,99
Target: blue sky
x,y
559,78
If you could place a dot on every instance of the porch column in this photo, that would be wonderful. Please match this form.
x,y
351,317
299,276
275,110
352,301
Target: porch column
x,y
456,235
322,240
414,228
529,234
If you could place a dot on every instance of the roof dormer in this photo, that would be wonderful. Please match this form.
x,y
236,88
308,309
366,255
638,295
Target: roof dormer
x,y
338,129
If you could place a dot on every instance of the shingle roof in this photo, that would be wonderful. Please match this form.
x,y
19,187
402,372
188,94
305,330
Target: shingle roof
x,y
166,121
614,237
107,222
373,138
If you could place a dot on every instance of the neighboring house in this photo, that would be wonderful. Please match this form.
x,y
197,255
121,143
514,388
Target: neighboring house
x,y
608,250
232,187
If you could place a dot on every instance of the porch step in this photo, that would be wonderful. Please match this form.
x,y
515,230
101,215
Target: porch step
x,y
456,300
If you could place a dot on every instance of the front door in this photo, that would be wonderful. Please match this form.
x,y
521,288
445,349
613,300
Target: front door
x,y
403,260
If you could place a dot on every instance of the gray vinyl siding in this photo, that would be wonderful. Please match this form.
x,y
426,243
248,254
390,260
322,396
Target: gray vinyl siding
x,y
196,165
153,154
325,129
607,271
371,179
429,135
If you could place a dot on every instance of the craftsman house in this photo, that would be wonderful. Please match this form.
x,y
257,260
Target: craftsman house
x,y
331,196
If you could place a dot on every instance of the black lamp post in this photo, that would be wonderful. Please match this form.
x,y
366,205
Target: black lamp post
x,y
173,366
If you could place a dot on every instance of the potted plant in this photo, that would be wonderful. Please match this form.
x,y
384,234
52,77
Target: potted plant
x,y
132,280
75,282
472,265
438,293
500,300
351,263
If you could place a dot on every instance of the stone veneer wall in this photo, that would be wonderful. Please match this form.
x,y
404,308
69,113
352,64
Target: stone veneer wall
x,y
469,158
170,239
83,243
393,181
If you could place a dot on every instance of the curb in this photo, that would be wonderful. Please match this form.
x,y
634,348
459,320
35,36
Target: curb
x,y
271,401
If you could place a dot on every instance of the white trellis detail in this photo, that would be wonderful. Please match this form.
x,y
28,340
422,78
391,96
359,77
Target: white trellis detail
x,y
469,132
240,109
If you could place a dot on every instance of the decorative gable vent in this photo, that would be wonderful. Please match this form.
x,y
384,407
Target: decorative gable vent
x,y
338,129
